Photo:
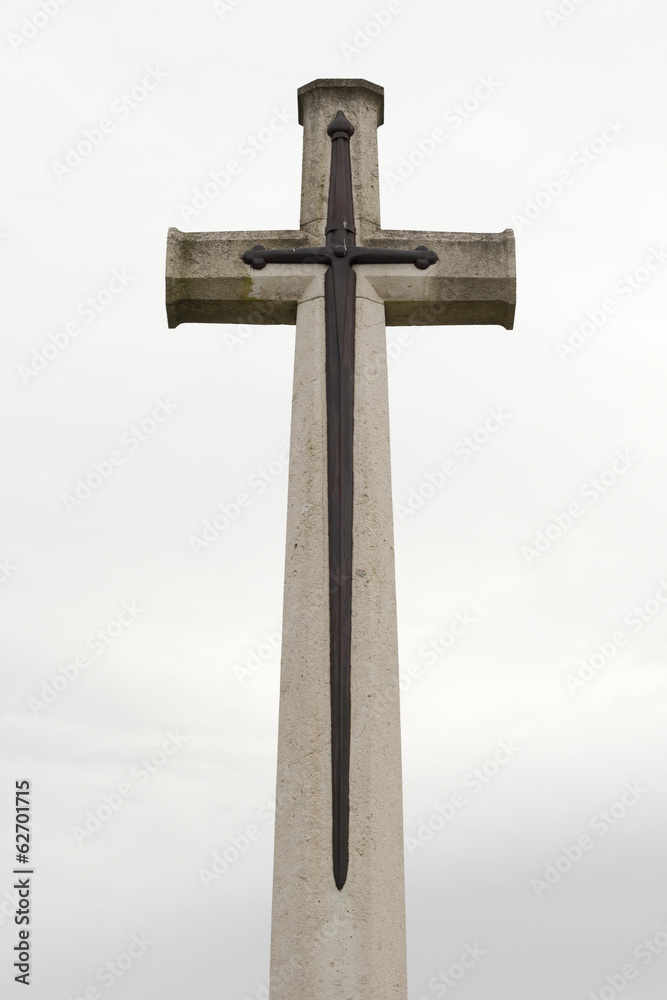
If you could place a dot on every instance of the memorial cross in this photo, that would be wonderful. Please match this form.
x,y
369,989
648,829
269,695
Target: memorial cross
x,y
339,516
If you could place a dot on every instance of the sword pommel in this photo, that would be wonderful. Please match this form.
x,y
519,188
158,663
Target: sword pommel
x,y
340,127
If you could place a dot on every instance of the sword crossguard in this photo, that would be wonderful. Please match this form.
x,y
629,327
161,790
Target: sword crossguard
x,y
259,256
430,257
255,257
422,257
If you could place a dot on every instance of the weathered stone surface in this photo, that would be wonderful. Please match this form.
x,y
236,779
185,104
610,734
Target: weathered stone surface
x,y
472,282
207,282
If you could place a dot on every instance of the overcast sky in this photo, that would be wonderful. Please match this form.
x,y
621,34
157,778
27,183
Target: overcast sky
x,y
123,645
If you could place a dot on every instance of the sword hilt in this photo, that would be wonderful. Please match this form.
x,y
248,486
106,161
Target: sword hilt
x,y
259,256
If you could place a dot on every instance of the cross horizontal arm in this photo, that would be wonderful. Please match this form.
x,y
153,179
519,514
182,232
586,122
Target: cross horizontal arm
x,y
207,281
473,282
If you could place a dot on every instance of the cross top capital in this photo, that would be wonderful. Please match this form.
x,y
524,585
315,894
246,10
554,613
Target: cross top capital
x,y
362,104
319,90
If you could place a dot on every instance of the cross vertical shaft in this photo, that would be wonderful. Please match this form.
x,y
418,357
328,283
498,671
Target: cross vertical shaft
x,y
330,942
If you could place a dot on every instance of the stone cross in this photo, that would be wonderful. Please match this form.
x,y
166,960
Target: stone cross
x,y
338,922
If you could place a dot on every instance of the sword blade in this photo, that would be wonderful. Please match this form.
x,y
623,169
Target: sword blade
x,y
340,291
339,297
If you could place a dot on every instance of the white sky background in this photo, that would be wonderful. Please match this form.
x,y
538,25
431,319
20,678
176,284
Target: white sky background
x,y
67,574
